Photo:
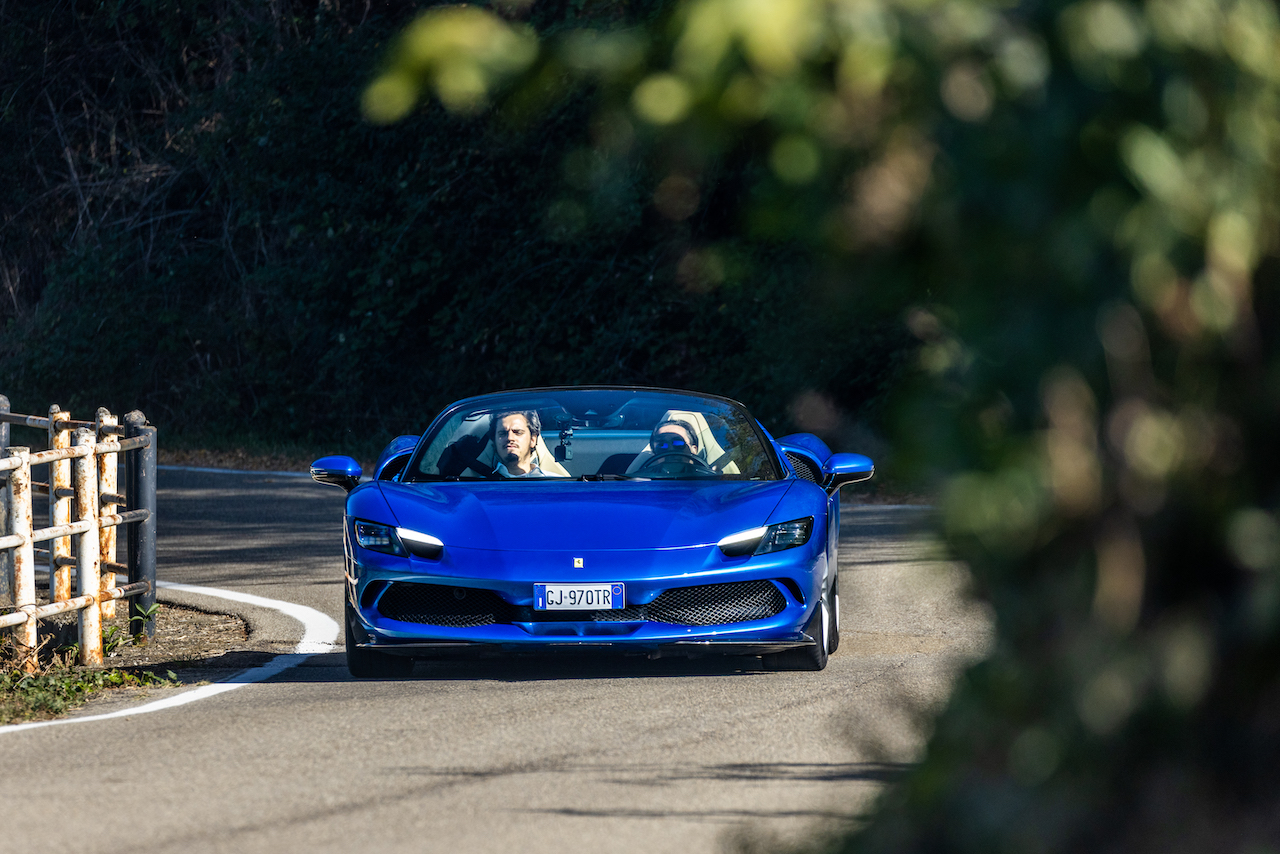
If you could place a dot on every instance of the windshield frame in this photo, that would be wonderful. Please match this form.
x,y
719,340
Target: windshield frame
x,y
772,468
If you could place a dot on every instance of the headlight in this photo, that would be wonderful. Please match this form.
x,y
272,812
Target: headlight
x,y
775,538
786,535
379,538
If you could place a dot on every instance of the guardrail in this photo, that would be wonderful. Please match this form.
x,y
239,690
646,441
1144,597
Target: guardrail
x,y
83,502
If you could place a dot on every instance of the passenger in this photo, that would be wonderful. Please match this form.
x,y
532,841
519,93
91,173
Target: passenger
x,y
674,436
515,442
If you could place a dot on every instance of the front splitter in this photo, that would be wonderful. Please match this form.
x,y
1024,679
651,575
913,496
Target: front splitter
x,y
674,649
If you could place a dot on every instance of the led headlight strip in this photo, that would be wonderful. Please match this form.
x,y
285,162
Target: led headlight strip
x,y
743,542
420,544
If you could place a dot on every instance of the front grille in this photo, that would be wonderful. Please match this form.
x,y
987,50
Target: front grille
x,y
714,604
804,467
615,615
464,607
618,615
440,605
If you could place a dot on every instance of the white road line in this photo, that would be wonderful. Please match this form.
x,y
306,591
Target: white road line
x,y
319,633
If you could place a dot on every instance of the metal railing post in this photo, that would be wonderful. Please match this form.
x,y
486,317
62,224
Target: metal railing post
x,y
88,582
140,475
6,556
24,559
59,507
107,478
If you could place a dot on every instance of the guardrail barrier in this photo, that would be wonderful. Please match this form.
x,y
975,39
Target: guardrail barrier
x,y
84,500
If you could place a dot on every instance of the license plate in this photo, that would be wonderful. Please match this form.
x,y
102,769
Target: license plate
x,y
579,597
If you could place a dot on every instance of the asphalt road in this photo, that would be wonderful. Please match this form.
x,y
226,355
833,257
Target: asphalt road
x,y
528,755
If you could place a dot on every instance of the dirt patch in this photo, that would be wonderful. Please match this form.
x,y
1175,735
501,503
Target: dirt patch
x,y
185,639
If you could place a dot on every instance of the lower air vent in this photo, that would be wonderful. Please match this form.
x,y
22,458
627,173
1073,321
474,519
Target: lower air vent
x,y
715,604
439,605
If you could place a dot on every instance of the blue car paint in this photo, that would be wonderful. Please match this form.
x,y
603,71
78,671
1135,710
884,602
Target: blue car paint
x,y
808,442
584,516
398,447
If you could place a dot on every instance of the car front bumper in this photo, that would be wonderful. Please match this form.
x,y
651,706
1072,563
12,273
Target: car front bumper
x,y
781,591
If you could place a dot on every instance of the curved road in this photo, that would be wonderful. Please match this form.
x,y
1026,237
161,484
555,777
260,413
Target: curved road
x,y
528,755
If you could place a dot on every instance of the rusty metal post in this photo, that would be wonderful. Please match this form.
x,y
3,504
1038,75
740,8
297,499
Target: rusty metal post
x,y
140,494
87,575
24,559
6,555
59,506
107,477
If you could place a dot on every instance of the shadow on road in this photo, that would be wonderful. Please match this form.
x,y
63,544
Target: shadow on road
x,y
332,667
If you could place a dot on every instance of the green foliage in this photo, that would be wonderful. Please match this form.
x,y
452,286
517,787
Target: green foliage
x,y
111,639
26,696
219,239
57,687
137,632
1074,204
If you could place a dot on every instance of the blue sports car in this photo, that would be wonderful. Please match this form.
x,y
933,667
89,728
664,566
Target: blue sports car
x,y
644,521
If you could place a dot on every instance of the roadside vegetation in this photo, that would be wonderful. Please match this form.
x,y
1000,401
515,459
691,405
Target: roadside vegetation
x,y
198,222
55,685
189,647
1075,206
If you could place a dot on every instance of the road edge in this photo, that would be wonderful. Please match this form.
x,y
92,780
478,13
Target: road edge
x,y
319,635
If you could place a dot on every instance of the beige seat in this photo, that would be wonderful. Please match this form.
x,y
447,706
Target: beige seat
x,y
710,448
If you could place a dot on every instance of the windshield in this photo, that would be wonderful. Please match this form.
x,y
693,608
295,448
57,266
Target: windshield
x,y
594,434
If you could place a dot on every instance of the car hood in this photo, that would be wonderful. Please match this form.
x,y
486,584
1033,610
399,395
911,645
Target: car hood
x,y
579,515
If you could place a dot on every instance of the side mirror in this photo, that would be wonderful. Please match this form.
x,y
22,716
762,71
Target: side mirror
x,y
847,468
336,471
808,442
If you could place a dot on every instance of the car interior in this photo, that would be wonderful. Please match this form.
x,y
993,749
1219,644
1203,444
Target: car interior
x,y
602,441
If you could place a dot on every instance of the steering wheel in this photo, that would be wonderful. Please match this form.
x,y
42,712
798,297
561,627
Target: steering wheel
x,y
687,461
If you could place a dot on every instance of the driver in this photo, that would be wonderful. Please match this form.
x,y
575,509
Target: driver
x,y
674,436
515,441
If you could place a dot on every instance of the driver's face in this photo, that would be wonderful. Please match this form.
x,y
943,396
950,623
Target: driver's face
x,y
514,442
670,432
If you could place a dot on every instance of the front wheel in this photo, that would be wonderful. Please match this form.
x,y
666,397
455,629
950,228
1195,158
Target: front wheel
x,y
368,663
812,657
833,636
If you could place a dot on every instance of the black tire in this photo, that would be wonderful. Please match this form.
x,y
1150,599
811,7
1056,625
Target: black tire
x,y
833,635
814,656
366,663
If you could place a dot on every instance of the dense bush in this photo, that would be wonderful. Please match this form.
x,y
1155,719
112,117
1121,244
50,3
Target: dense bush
x,y
197,222
1081,200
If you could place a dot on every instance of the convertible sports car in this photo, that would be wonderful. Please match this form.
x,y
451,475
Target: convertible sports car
x,y
638,520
